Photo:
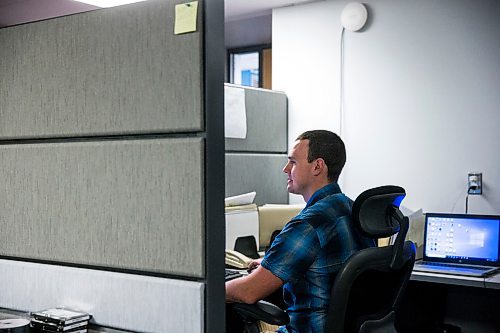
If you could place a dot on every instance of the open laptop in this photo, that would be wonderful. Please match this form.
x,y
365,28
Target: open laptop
x,y
460,244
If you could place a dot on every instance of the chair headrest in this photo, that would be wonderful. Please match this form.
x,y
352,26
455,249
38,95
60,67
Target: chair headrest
x,y
375,212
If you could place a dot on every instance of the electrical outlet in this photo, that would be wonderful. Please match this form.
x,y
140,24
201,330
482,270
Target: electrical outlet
x,y
475,183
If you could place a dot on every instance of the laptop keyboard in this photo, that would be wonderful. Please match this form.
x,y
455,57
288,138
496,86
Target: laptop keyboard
x,y
441,264
230,275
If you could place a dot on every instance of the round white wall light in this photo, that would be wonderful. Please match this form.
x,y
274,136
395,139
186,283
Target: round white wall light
x,y
354,16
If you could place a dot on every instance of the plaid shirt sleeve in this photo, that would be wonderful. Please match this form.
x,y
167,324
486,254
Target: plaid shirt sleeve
x,y
293,251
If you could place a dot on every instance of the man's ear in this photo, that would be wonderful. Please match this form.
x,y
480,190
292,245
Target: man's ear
x,y
319,166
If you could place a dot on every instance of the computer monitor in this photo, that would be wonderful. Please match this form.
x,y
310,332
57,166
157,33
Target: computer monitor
x,y
462,238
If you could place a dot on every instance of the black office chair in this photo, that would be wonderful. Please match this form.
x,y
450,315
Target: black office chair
x,y
264,311
369,286
247,245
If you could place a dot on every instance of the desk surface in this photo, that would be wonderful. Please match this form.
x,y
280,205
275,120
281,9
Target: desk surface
x,y
9,314
491,282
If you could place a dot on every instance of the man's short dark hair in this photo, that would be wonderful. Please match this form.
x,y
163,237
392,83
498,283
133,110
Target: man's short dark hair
x,y
328,146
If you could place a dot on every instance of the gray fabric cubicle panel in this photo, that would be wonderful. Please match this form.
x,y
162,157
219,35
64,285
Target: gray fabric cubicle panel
x,y
131,204
109,124
136,303
261,173
119,70
266,122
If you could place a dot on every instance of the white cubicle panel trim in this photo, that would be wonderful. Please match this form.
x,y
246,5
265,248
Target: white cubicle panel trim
x,y
124,301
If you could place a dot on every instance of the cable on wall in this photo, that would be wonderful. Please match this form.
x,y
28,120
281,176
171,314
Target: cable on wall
x,y
353,18
341,98
467,203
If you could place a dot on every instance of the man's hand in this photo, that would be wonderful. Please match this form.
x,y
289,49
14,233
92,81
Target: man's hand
x,y
254,264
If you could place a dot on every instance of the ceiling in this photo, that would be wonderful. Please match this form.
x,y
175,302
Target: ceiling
x,y
241,9
22,11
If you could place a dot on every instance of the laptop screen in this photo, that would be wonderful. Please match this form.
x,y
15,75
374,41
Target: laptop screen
x,y
466,239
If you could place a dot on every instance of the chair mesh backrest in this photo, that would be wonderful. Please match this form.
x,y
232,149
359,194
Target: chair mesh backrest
x,y
370,283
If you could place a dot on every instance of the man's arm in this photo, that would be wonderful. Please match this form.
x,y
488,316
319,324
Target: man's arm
x,y
253,287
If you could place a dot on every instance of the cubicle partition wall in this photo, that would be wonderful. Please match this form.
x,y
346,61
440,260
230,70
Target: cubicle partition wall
x,y
111,146
255,163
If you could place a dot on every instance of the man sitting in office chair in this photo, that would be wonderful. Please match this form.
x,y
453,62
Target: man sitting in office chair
x,y
306,256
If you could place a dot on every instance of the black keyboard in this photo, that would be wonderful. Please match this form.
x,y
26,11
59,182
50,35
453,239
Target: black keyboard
x,y
231,274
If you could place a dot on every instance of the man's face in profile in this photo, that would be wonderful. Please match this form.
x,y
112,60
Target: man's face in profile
x,y
298,169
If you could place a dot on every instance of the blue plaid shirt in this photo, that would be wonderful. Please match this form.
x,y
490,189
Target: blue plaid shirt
x,y
309,252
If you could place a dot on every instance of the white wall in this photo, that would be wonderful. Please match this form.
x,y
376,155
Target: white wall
x,y
422,94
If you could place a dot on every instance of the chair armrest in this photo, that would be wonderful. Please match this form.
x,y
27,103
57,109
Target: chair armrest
x,y
262,310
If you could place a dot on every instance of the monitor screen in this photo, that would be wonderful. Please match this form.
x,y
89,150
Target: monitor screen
x,y
467,237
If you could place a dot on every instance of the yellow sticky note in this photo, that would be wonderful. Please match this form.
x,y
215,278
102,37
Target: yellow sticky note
x,y
185,17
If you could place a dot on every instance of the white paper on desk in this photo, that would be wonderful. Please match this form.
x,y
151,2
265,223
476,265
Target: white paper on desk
x,y
235,114
416,231
416,228
240,200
